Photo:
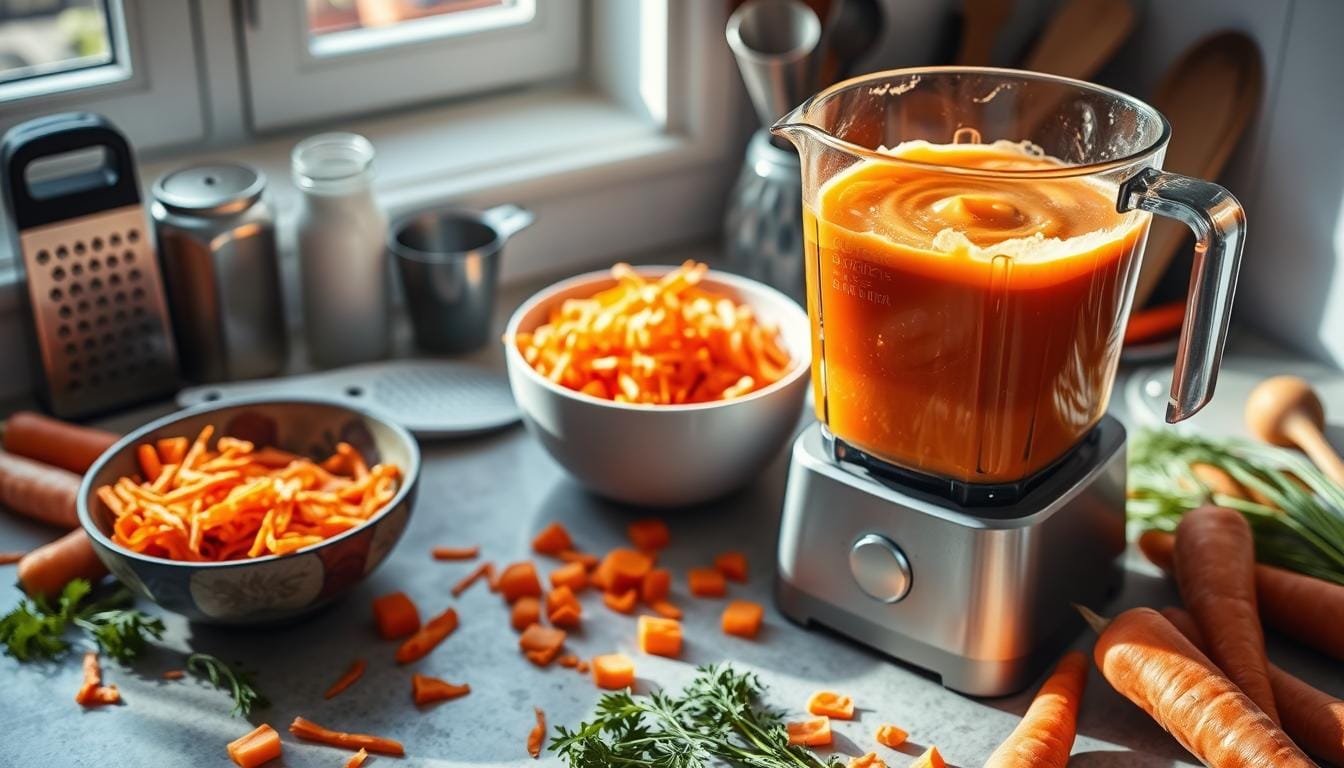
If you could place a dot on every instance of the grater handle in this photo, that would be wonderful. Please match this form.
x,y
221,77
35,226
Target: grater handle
x,y
108,187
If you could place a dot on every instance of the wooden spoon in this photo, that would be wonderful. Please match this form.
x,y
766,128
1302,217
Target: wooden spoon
x,y
1209,97
1081,37
981,21
1285,410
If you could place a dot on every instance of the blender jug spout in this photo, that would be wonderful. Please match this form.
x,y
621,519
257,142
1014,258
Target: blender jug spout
x,y
795,128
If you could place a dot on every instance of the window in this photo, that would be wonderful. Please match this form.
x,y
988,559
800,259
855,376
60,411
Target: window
x,y
48,47
318,59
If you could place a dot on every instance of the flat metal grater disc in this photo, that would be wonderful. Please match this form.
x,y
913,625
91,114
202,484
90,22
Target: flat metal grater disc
x,y
431,398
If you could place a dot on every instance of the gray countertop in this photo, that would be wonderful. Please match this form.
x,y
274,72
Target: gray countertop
x,y
496,491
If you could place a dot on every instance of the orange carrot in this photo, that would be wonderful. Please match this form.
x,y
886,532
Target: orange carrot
x,y
1280,595
43,493
1155,323
257,746
310,731
347,679
706,582
831,704
870,760
733,565
572,575
743,618
427,690
1149,662
1045,735
621,603
525,612
10,558
890,736
648,534
622,569
47,569
395,615
54,442
172,450
581,667
174,674
356,760
456,553
1314,718
537,734
812,732
659,636
655,585
1215,570
562,607
484,570
665,609
93,677
519,580
150,466
613,671
930,759
589,562
568,660
427,637
541,644
552,540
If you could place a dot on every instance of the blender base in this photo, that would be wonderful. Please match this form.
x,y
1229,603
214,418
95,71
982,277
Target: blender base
x,y
981,596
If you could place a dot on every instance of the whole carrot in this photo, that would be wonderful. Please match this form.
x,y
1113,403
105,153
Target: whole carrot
x,y
55,442
47,569
1149,662
1044,738
1314,718
1215,571
1302,607
43,493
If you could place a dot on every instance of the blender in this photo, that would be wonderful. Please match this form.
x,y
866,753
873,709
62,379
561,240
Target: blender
x,y
973,237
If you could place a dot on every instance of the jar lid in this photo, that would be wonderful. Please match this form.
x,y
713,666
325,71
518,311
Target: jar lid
x,y
210,190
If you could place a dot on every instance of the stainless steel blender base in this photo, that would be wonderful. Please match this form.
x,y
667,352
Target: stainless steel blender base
x,y
980,596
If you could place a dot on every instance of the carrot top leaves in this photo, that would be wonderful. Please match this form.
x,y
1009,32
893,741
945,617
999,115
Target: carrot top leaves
x,y
35,629
246,697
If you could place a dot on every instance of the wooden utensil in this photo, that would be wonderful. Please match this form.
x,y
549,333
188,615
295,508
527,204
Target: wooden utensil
x,y
981,21
1081,37
1209,97
1285,410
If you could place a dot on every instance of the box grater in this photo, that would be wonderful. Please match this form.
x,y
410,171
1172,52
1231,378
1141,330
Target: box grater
x,y
100,328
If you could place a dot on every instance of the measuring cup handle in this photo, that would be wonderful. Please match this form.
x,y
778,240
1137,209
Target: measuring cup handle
x,y
1219,224
509,219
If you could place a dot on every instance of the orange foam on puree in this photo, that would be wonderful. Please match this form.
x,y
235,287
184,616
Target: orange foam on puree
x,y
971,323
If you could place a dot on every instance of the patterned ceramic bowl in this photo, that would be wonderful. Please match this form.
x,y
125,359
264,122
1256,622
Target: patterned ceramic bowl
x,y
272,588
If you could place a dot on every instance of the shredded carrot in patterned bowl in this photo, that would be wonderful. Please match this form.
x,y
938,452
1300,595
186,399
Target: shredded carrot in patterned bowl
x,y
234,501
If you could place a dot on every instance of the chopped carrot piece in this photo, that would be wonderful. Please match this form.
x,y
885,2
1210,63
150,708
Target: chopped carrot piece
x,y
541,644
622,569
537,734
733,565
568,660
310,731
519,580
92,692
648,534
356,760
456,553
665,609
104,694
427,637
581,667
257,746
588,561
613,671
552,540
831,704
427,690
172,450
891,736
659,636
174,674
526,611
656,585
347,679
483,571
572,575
930,759
706,582
562,607
743,618
150,466
395,615
870,760
813,732
621,603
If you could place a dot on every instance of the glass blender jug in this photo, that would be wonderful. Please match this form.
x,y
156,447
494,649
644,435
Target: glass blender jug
x,y
973,237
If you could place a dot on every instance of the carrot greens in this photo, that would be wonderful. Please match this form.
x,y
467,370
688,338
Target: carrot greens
x,y
35,629
246,697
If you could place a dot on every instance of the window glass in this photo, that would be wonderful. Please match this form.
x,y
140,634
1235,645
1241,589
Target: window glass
x,y
45,37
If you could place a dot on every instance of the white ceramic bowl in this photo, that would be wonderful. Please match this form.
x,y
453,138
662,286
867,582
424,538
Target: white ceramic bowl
x,y
662,455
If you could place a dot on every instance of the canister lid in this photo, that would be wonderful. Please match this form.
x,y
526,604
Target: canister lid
x,y
210,190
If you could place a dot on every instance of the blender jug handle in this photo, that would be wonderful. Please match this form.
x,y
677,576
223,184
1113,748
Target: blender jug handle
x,y
1219,224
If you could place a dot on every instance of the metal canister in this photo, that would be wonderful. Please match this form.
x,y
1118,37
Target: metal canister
x,y
216,237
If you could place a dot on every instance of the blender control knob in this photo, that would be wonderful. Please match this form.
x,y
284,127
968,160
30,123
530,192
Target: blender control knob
x,y
880,568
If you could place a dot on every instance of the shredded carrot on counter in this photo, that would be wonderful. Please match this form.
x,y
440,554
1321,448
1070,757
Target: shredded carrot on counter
x,y
236,501
659,636
706,582
456,553
743,618
519,580
568,660
347,679
813,732
563,608
613,671
665,609
174,674
310,731
483,571
657,342
525,612
733,565
572,575
9,558
589,562
552,540
541,644
92,692
427,637
395,615
357,759
536,735
831,704
623,602
648,534
870,760
891,736
427,690
258,746
655,585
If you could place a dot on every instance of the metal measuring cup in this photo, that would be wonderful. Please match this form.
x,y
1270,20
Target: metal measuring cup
x,y
448,259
